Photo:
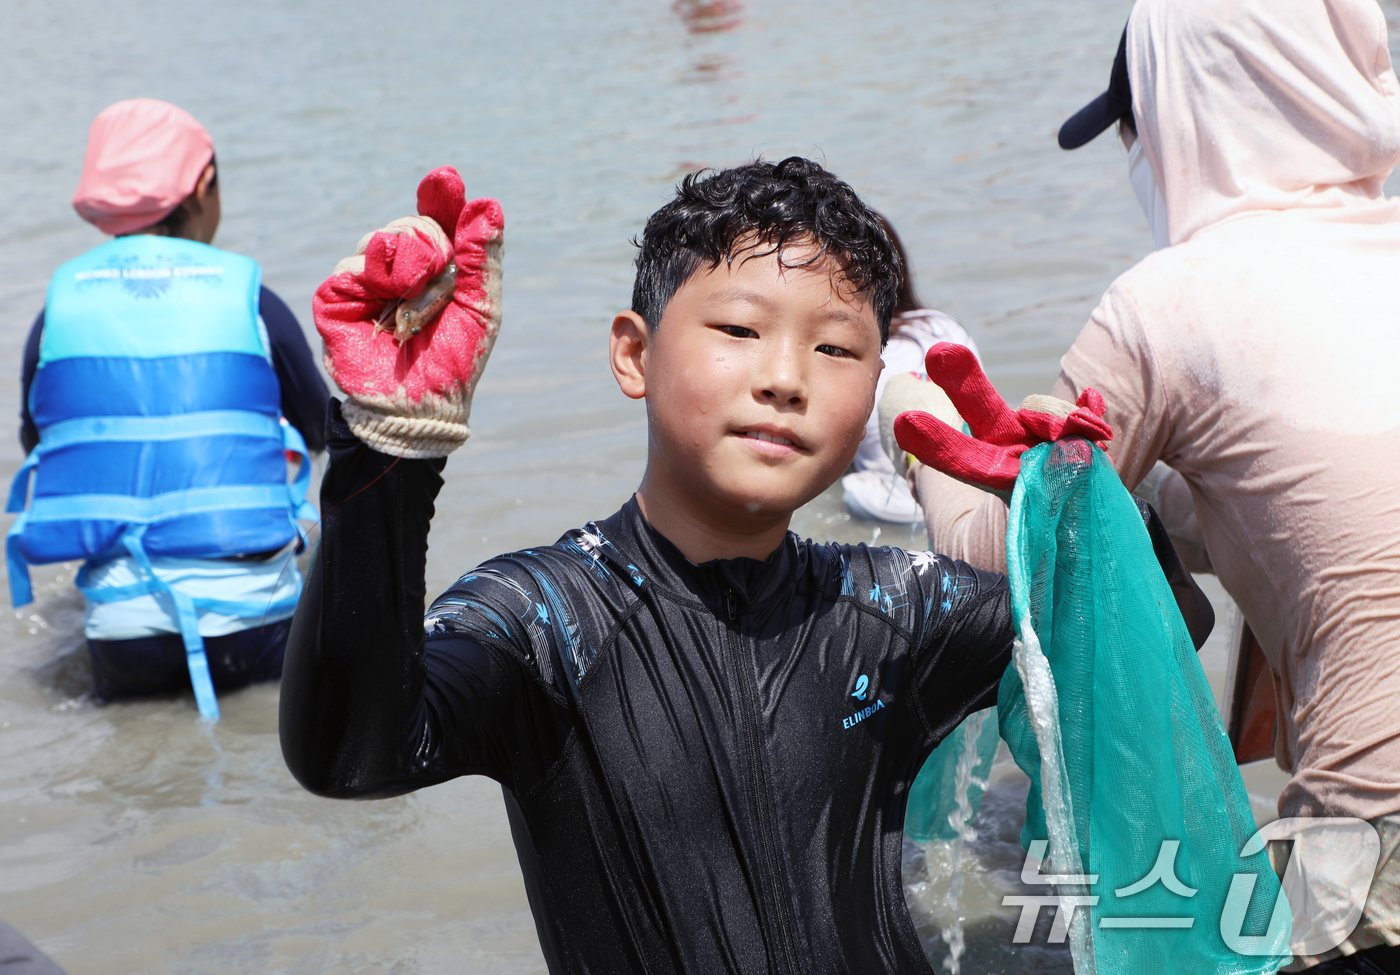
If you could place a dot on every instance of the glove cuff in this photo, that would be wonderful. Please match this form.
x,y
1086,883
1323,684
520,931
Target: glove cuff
x,y
433,427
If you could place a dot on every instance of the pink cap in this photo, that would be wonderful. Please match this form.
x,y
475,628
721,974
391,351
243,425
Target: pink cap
x,y
144,157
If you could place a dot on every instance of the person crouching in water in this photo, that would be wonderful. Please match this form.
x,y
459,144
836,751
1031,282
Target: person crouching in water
x,y
705,726
162,390
1247,364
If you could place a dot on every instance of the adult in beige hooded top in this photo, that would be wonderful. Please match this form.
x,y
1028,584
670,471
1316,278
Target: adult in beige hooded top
x,y
1256,353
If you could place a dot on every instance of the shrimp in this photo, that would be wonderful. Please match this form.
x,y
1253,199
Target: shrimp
x,y
411,315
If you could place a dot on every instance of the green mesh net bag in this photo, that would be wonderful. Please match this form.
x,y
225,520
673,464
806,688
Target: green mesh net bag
x,y
1134,787
948,789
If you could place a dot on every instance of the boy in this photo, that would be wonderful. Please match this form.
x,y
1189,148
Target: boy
x,y
704,726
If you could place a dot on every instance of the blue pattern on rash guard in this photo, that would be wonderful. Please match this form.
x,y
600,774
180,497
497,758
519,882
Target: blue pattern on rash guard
x,y
517,601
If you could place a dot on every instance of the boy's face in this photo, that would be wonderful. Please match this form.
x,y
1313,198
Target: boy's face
x,y
759,381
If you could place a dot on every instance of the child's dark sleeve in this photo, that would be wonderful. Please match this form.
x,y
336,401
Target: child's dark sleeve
x,y
304,393
29,365
965,644
369,706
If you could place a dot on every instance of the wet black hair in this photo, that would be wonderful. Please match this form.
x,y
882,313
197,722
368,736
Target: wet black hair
x,y
173,223
758,209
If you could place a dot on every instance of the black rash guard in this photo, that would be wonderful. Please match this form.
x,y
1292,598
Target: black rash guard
x,y
705,767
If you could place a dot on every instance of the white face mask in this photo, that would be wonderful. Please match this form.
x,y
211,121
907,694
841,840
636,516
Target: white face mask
x,y
1148,193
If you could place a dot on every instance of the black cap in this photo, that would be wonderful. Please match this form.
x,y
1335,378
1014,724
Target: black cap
x,y
1090,121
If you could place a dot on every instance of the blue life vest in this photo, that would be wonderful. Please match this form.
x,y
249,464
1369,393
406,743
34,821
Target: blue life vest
x,y
160,430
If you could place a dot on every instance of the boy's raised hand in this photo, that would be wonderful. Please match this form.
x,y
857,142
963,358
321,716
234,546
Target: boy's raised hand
x,y
991,457
409,320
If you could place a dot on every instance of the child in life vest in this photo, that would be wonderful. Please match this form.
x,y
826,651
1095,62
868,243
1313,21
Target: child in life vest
x,y
163,387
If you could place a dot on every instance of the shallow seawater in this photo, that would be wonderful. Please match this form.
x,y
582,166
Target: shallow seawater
x,y
134,839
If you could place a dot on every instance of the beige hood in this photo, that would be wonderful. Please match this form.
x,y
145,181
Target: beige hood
x,y
1247,105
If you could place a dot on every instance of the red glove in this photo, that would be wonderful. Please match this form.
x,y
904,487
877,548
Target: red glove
x,y
991,457
409,321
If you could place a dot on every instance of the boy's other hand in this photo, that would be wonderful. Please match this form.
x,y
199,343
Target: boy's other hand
x,y
991,457
409,320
